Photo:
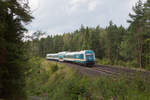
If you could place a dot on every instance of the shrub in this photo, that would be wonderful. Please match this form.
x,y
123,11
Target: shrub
x,y
61,83
103,61
147,67
132,63
54,68
121,63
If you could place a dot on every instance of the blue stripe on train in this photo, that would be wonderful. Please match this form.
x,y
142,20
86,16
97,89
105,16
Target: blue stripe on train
x,y
78,61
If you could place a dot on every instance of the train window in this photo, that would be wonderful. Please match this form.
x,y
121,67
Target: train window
x,y
67,56
78,56
81,56
89,57
74,56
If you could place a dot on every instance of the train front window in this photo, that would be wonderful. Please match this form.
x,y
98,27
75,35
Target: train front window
x,y
81,56
89,56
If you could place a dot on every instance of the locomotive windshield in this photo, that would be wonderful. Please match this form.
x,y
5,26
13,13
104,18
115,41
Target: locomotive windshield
x,y
90,57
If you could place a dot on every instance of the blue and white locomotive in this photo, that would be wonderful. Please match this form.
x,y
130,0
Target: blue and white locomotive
x,y
86,57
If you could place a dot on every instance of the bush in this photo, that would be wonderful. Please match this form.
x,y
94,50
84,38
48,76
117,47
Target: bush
x,y
56,82
121,63
103,61
54,68
132,63
147,67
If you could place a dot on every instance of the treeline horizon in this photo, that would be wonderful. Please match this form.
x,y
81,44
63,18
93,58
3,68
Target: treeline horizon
x,y
115,44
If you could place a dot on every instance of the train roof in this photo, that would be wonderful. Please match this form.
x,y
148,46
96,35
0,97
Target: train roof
x,y
71,53
78,52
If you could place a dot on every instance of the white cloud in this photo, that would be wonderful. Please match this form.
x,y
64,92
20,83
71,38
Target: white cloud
x,y
77,5
76,2
74,5
92,5
59,16
34,4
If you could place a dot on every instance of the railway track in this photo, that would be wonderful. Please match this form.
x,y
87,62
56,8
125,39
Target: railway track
x,y
105,71
126,72
96,69
110,71
117,70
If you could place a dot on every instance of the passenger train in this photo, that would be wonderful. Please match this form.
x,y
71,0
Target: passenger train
x,y
85,57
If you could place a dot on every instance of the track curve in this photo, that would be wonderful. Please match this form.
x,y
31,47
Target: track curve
x,y
110,71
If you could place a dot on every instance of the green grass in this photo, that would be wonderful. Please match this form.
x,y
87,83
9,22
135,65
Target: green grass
x,y
58,82
120,63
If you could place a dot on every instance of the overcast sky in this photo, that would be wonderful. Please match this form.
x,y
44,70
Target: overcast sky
x,y
59,16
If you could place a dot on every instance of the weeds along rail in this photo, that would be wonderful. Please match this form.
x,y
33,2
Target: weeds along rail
x,y
93,69
110,71
101,70
105,71
116,71
126,71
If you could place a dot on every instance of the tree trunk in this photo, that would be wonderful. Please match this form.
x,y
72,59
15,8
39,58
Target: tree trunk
x,y
117,53
140,49
149,54
109,53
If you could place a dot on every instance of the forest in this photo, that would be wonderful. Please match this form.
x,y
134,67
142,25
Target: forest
x,y
115,45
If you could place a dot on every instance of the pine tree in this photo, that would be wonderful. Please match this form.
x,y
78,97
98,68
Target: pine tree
x,y
147,35
137,29
13,14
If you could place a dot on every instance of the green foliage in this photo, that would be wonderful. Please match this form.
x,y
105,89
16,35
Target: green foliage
x,y
104,61
65,84
147,67
139,31
34,76
14,15
54,68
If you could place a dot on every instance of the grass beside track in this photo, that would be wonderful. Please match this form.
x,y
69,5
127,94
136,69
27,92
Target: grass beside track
x,y
122,64
53,81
